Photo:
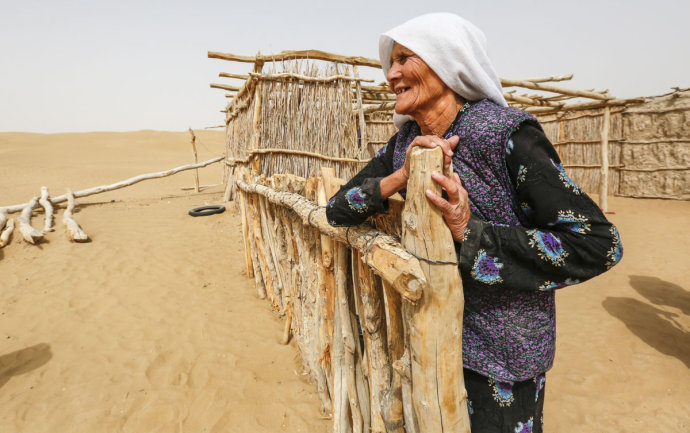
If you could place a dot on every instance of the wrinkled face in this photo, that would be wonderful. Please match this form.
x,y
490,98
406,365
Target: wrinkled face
x,y
416,85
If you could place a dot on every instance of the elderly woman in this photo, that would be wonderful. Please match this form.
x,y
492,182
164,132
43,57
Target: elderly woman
x,y
522,228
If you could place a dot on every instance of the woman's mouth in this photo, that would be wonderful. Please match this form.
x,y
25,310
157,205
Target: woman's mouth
x,y
401,90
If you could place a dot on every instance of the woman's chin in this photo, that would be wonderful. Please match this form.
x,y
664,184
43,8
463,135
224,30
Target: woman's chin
x,y
402,109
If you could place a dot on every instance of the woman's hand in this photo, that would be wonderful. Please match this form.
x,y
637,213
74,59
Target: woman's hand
x,y
456,210
398,180
431,141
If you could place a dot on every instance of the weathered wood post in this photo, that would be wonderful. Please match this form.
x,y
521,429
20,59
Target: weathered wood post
x,y
196,160
435,321
604,174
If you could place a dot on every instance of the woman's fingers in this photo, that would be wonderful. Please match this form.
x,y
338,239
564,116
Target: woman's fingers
x,y
448,183
431,141
438,201
455,210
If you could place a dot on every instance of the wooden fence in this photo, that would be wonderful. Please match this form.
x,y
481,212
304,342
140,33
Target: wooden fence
x,y
364,310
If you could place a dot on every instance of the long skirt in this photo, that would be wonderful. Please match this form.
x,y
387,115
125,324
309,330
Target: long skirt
x,y
505,407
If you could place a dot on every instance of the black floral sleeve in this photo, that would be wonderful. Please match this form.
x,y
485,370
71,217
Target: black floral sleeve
x,y
360,198
567,241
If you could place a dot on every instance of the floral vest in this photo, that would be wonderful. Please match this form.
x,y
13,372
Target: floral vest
x,y
508,334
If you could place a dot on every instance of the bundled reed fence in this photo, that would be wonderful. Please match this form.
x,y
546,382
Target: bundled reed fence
x,y
647,152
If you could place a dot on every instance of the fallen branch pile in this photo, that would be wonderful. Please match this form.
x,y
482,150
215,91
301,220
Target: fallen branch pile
x,y
74,231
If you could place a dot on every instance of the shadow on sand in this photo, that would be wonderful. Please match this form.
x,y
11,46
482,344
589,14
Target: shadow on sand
x,y
23,361
663,330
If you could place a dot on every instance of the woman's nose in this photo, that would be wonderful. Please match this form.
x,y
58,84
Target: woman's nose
x,y
393,72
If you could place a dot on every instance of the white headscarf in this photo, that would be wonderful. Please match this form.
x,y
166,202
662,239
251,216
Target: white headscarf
x,y
453,48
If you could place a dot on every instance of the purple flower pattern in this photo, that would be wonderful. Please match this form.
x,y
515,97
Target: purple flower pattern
x,y
503,392
486,268
549,246
357,199
525,427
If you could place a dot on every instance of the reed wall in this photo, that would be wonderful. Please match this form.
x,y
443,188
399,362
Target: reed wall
x,y
649,147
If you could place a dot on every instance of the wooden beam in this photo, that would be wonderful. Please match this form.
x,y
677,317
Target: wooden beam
x,y
382,253
583,105
297,54
551,78
382,89
555,89
229,75
289,76
532,101
225,87
386,106
305,153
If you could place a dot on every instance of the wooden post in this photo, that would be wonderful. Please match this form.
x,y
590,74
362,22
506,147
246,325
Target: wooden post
x,y
373,319
341,259
256,124
196,160
341,415
264,262
391,400
272,253
435,321
245,235
604,176
360,110
561,137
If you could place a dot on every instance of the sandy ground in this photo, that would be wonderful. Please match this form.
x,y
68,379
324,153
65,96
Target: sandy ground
x,y
153,325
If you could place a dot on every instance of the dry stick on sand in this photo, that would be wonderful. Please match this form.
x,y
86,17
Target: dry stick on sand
x,y
3,218
74,232
6,228
30,234
48,207
6,233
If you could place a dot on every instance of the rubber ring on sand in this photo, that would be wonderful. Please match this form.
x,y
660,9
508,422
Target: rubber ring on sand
x,y
207,210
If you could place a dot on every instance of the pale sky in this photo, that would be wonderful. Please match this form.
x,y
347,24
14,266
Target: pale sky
x,y
73,66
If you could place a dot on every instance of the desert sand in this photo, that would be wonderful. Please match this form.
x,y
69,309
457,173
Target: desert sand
x,y
154,327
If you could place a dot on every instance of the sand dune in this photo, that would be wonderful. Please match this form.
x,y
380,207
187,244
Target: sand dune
x,y
153,326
